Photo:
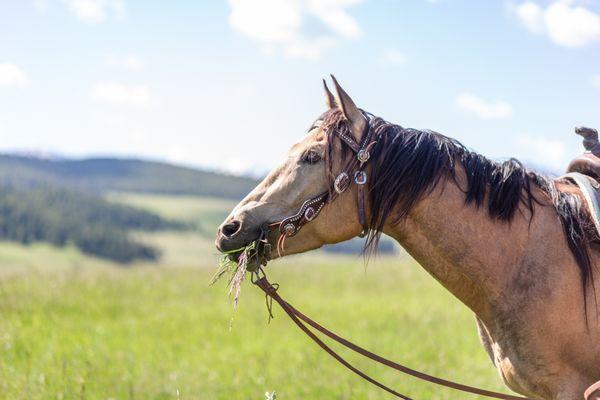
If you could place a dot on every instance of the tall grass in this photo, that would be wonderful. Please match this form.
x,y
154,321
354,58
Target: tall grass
x,y
101,333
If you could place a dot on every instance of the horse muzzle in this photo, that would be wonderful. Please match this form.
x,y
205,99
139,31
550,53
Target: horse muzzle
x,y
234,234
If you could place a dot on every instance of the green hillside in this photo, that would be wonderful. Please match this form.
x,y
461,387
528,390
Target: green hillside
x,y
92,224
62,202
113,174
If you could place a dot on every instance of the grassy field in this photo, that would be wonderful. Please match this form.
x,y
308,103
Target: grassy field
x,y
73,327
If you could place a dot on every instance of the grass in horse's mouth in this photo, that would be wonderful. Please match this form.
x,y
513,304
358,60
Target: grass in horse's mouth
x,y
235,263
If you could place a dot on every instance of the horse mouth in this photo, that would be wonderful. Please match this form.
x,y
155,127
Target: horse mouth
x,y
259,256
234,256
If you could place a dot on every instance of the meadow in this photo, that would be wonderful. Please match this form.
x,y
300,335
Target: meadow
x,y
76,327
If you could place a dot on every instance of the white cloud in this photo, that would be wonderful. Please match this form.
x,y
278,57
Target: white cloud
x,y
563,22
271,21
544,151
482,108
531,15
116,93
131,63
279,24
96,11
596,81
392,58
11,75
332,13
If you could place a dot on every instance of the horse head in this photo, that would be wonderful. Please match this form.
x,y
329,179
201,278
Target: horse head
x,y
316,169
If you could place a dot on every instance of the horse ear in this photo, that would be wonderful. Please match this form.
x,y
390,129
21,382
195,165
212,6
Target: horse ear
x,y
351,112
329,99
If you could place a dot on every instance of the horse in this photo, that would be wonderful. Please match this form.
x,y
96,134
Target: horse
x,y
516,247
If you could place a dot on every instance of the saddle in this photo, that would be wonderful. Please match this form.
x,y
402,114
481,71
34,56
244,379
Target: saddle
x,y
584,171
589,162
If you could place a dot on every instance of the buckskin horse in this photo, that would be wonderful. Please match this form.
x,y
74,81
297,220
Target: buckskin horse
x,y
518,248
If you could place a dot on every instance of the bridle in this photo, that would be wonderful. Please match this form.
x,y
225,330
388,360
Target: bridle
x,y
307,212
310,209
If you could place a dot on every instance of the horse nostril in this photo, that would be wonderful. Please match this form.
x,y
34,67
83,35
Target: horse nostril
x,y
231,228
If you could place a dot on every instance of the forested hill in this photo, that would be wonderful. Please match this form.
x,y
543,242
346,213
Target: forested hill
x,y
113,174
92,224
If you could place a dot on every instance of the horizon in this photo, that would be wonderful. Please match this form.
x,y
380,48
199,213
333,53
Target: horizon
x,y
254,174
218,85
44,156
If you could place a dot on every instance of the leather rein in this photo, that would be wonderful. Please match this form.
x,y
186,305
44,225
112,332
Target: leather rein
x,y
304,322
308,211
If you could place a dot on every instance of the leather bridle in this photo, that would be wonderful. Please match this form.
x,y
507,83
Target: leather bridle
x,y
310,209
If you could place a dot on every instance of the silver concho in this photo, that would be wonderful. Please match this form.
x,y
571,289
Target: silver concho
x,y
289,229
360,177
341,183
309,214
363,156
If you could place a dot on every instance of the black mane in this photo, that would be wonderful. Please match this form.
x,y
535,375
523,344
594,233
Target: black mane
x,y
407,164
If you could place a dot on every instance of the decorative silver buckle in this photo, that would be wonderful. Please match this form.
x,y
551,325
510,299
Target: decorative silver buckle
x,y
363,155
360,177
309,214
341,183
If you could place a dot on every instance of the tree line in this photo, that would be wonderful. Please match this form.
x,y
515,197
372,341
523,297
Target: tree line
x,y
63,216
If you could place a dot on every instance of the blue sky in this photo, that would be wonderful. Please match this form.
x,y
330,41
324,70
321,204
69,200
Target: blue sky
x,y
232,84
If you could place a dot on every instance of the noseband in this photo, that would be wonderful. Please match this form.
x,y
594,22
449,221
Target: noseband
x,y
310,209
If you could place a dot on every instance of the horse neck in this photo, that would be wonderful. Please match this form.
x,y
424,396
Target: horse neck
x,y
460,245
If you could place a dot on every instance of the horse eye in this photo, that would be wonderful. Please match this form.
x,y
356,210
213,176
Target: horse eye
x,y
311,157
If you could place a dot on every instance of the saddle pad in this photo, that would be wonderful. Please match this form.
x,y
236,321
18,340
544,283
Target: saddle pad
x,y
589,189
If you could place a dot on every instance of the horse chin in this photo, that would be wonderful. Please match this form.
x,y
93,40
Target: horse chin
x,y
256,261
234,256
266,250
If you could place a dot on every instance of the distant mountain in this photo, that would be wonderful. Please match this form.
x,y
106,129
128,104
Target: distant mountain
x,y
114,174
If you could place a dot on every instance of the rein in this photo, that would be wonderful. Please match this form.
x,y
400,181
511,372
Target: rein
x,y
259,278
